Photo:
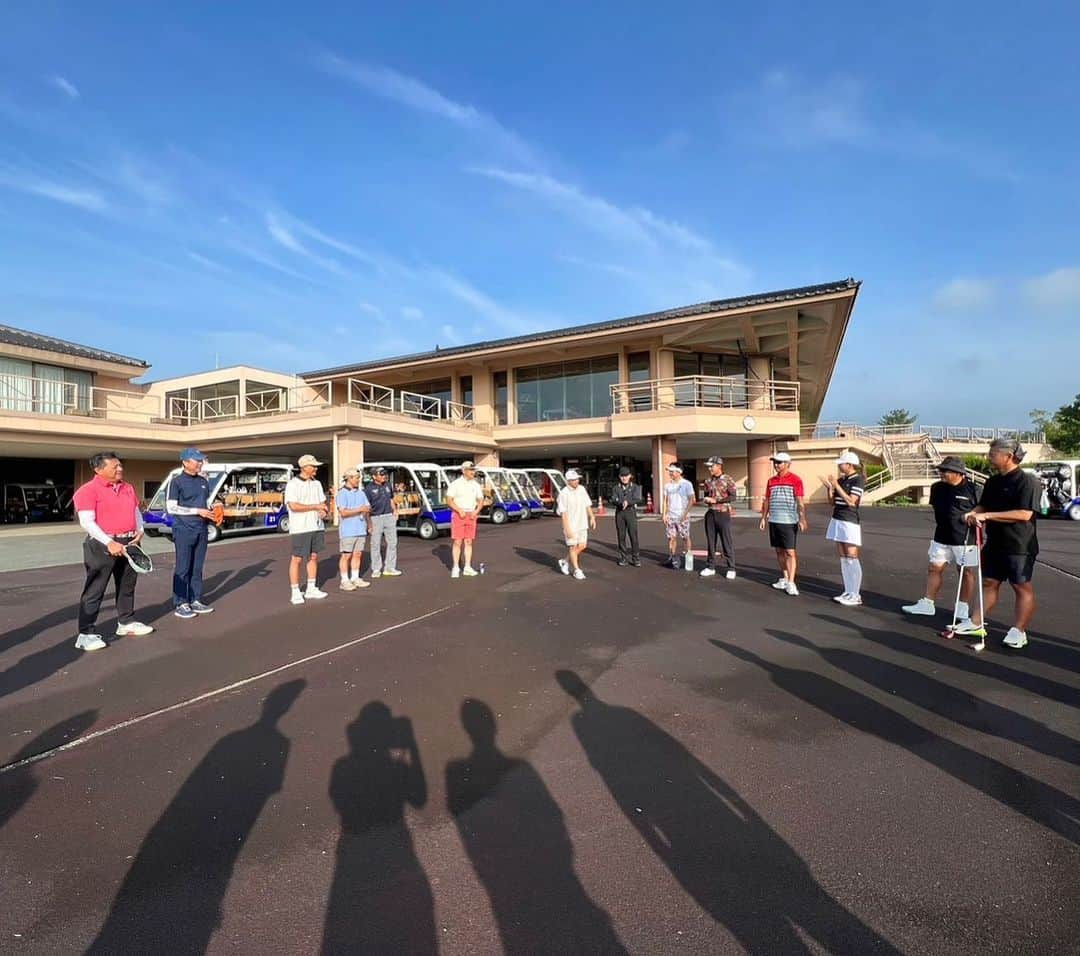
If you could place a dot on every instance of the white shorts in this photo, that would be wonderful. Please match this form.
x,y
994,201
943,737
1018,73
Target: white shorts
x,y
579,538
962,555
846,532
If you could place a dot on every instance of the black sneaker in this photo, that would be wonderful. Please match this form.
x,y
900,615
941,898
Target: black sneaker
x,y
636,562
623,563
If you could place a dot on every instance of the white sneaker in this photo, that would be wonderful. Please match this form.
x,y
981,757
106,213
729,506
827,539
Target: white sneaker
x,y
923,606
970,627
564,565
376,574
469,572
134,629
840,598
963,612
456,572
89,642
781,584
707,572
359,584
791,589
1016,638
314,594
297,598
395,573
730,574
849,600
348,586
579,574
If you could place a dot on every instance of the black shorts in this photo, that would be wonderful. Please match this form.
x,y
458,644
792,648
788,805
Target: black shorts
x,y
783,535
307,543
1014,568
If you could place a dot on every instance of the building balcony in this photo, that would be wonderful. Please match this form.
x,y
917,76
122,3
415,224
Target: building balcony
x,y
705,404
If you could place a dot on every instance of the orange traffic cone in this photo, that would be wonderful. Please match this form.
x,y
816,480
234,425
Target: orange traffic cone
x,y
601,512
648,504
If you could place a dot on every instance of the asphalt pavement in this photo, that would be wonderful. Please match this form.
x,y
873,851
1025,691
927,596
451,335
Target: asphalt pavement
x,y
645,761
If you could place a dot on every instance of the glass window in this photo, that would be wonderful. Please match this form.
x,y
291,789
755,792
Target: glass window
x,y
219,400
499,379
16,386
552,393
466,390
578,392
83,381
528,394
638,366
178,405
262,398
604,373
50,395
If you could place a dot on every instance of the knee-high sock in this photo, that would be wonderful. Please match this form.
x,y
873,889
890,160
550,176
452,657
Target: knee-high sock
x,y
853,575
845,574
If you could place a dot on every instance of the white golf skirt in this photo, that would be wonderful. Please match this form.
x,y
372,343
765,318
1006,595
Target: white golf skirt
x,y
846,532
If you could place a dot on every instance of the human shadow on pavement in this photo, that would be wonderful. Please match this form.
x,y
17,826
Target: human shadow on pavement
x,y
171,898
950,654
19,785
943,699
517,840
545,559
1034,799
380,899
729,860
443,554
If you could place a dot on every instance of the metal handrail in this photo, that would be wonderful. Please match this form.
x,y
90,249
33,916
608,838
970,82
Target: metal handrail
x,y
24,393
215,409
318,394
460,414
704,391
419,406
377,398
266,401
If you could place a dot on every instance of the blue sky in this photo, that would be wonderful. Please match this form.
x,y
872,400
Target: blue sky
x,y
297,186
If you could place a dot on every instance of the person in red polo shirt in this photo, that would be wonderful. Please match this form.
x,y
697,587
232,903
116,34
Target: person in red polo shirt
x,y
108,511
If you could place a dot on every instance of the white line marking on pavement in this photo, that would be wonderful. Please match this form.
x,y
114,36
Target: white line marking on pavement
x,y
79,741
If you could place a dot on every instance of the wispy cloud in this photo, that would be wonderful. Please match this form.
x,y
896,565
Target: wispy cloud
x,y
283,236
480,302
1056,290
965,295
414,94
88,199
66,87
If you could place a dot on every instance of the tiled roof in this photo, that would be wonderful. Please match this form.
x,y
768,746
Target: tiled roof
x,y
686,311
34,340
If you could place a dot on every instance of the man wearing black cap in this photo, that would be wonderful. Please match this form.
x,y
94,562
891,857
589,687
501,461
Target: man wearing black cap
x,y
719,496
951,498
188,501
625,497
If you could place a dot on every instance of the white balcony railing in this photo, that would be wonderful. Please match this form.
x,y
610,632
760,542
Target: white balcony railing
x,y
377,398
704,391
419,406
41,396
460,414
899,433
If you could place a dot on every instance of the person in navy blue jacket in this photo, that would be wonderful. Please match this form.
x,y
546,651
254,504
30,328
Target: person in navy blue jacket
x,y
188,500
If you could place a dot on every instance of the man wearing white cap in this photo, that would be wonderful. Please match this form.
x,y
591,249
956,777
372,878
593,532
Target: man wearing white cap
x,y
675,505
353,509
784,510
306,501
844,528
465,496
575,507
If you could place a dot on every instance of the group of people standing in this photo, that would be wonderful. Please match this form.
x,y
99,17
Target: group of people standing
x,y
108,510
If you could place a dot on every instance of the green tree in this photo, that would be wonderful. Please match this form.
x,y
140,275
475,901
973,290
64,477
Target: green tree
x,y
898,416
1062,428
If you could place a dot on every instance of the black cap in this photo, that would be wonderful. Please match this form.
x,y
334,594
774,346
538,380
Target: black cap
x,y
378,471
624,471
952,463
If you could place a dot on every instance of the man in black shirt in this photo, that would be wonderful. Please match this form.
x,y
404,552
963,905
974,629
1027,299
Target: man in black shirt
x,y
1007,512
625,497
952,498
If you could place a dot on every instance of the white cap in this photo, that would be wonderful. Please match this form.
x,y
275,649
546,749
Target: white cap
x,y
573,474
848,458
675,467
781,456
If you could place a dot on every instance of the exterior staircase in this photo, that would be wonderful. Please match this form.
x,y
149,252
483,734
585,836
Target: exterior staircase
x,y
911,462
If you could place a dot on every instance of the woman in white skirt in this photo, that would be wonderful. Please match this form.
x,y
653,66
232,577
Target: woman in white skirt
x,y
844,528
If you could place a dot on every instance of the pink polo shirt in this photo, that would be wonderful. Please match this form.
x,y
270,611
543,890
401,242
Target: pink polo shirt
x,y
114,504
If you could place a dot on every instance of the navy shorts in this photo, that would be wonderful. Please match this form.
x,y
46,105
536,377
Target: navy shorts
x,y
1014,568
783,535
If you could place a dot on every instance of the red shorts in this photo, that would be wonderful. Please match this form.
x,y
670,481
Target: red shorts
x,y
463,528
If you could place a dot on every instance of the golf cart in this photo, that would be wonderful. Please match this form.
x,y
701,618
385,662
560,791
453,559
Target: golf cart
x,y
501,503
24,504
252,495
549,483
1061,481
420,495
534,506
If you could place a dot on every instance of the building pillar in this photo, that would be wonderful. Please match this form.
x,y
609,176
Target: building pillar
x,y
759,470
511,397
664,452
759,371
488,459
348,453
483,396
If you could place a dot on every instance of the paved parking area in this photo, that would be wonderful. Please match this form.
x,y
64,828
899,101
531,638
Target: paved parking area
x,y
641,762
